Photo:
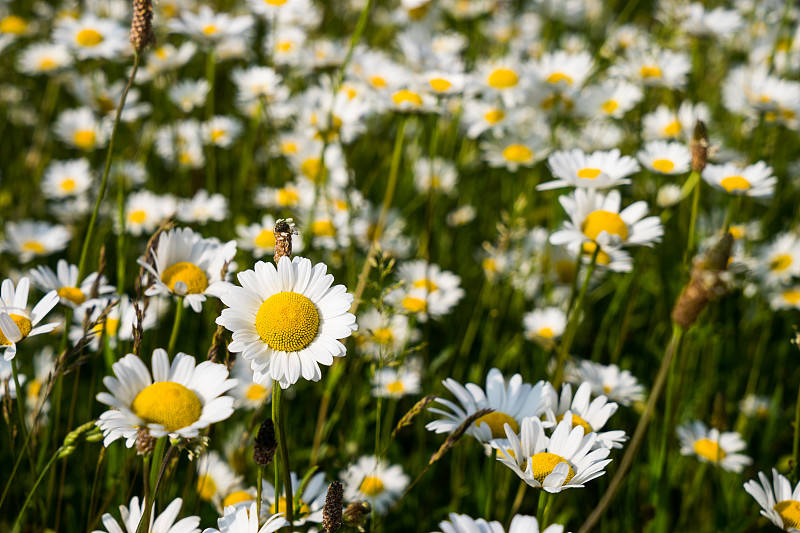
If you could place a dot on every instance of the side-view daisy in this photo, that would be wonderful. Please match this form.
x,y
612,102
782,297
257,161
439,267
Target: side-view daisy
x,y
598,170
31,238
544,325
163,523
65,282
778,501
245,520
713,446
665,157
753,180
16,322
591,416
461,523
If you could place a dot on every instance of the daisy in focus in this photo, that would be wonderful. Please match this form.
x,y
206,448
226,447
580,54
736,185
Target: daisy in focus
x,y
598,170
778,501
713,446
16,322
370,480
754,180
461,523
162,523
245,520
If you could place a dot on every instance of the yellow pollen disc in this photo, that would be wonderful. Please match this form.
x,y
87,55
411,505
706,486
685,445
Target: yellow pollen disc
x,y
210,29
606,389
161,53
788,114
589,173
89,37
217,134
395,387
543,463
405,95
489,264
546,333
13,24
285,46
494,116
735,183
371,486
281,507
33,246
737,231
255,392
68,185
311,168
206,488
138,216
34,388
167,403
503,78
517,153
770,116
610,106
47,63
236,497
663,165
288,147
673,128
189,273
440,84
780,262
496,422
557,77
565,270
792,297
383,336
265,239
112,326
84,139
24,325
764,98
426,284
415,305
602,257
323,228
599,221
276,2
651,71
709,449
288,197
287,321
378,82
577,421
790,513
73,294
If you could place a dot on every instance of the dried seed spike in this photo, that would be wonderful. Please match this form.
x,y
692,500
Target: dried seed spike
x,y
699,147
408,418
217,345
457,433
265,444
145,443
142,24
332,511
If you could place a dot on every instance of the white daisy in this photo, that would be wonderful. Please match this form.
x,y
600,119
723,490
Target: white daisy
x,y
16,322
179,400
754,180
145,211
779,261
598,170
395,383
67,178
209,27
44,58
664,157
188,94
612,98
215,479
307,505
618,385
32,238
713,446
383,335
65,282
544,324
439,175
369,479
519,524
286,321
248,393
778,501
163,523
258,237
785,297
92,37
79,128
203,207
512,153
591,416
221,131
245,520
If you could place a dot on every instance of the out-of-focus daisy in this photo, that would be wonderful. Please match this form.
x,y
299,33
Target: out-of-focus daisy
x,y
256,83
189,266
16,322
209,27
506,78
203,207
785,297
618,385
512,402
610,99
599,170
287,321
67,178
591,416
719,22
665,123
31,238
428,290
754,180
79,128
713,446
461,215
180,144
519,524
65,282
779,261
563,70
162,523
43,58
566,460
395,383
383,335
480,116
778,501
668,195
369,479
754,406
659,68
513,153
307,505
92,37
258,237
145,211
438,175
248,393
665,157
217,483
188,94
179,400
221,131
245,520
544,324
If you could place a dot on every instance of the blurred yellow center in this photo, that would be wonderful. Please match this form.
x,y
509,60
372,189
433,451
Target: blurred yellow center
x,y
599,221
603,258
112,326
323,228
138,216
217,134
210,29
419,12
256,392
517,153
673,128
265,239
405,95
13,24
287,197
73,294
650,71
440,84
236,497
377,81
577,421
557,77
792,296
415,305
311,168
546,333
188,273
371,486
543,463
663,165
709,449
276,2
780,262
610,106
33,246
89,37
503,78
84,138
426,284
790,513
68,185
24,325
735,183
47,63
383,336
287,321
494,116
395,387
167,403
285,46
496,422
589,173
206,488
737,231
301,510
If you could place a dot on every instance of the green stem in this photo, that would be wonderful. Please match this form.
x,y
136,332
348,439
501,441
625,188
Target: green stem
x,y
20,404
211,177
542,508
796,440
490,488
280,435
24,507
144,521
176,326
259,482
694,178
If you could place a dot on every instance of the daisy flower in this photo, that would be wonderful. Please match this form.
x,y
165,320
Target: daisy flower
x,y
544,324
179,400
566,460
779,261
664,123
778,501
258,237
245,520
370,480
92,37
753,180
664,157
145,211
718,22
307,505
437,175
512,402
618,385
43,58
591,416
657,68
189,266
65,282
209,27
16,322
287,321
163,523
216,480
480,116
598,170
32,238
785,298
611,99
248,393
395,383
754,406
383,335
221,131
79,128
166,58
563,70
202,208
428,290
712,446
505,78
512,153
519,524
67,178
188,94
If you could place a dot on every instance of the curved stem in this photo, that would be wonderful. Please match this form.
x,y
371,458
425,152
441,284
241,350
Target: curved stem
x,y
176,326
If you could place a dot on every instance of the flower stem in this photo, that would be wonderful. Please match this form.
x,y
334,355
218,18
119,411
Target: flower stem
x,y
176,326
20,403
44,471
796,440
280,436
490,490
694,178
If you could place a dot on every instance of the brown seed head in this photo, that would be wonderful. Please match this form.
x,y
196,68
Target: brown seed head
x,y
332,512
145,443
284,229
142,24
265,444
699,147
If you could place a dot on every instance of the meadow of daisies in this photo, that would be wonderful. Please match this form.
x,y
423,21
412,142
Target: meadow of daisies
x,y
460,266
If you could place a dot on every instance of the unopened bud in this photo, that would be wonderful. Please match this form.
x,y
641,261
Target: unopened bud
x,y
265,444
145,443
355,515
699,147
332,512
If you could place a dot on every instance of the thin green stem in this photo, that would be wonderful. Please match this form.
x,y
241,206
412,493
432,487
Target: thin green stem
x,y
24,507
20,404
280,435
490,488
211,176
694,178
259,483
176,326
796,440
144,521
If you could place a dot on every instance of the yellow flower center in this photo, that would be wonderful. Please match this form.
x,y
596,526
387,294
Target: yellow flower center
x,y
33,246
650,71
24,325
589,173
34,388
489,264
276,2
737,231
440,84
287,321
383,336
419,12
285,46
138,216
496,422
288,147
265,239
792,296
188,273
378,82
405,95
790,513
546,333
84,139
371,486
494,116
663,165
577,421
47,63
256,392
13,24
610,106
112,325
735,183
415,305
288,197
543,464
426,284
236,497
323,228
503,78
210,29
517,153
709,449
603,258
89,37
557,77
780,262
73,294
167,403
599,221
395,387
673,128
311,168
302,510
206,488
217,134
68,185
